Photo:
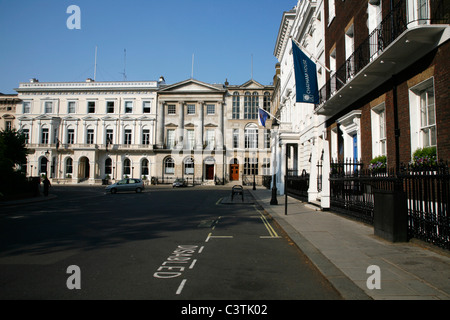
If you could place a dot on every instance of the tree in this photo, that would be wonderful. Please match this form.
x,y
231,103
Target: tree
x,y
13,152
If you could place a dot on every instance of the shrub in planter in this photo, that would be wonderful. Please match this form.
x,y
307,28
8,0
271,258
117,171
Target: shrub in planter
x,y
378,164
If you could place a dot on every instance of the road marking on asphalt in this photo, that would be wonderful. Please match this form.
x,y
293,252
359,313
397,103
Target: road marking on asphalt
x,y
210,236
270,229
193,264
180,288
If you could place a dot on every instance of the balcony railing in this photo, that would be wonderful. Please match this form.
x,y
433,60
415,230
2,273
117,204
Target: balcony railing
x,y
390,28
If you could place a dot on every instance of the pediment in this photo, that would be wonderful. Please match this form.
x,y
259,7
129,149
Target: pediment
x,y
191,86
171,125
252,84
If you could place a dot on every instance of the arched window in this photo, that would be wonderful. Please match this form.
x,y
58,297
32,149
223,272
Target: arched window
x,y
189,166
69,166
251,136
108,166
127,167
144,167
169,166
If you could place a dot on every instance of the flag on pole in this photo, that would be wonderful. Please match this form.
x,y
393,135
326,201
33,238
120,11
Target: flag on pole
x,y
305,77
262,117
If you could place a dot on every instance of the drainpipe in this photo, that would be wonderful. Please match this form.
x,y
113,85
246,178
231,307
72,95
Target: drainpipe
x,y
396,125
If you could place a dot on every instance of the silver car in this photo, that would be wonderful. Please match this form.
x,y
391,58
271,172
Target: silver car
x,y
126,185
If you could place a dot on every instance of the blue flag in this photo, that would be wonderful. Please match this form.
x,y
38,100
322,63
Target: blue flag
x,y
305,77
262,117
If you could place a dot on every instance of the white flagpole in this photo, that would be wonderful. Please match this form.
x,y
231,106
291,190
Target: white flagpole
x,y
270,114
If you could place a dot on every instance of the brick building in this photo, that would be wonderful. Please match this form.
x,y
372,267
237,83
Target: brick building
x,y
387,94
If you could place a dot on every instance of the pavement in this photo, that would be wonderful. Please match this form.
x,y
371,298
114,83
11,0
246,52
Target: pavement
x,y
345,250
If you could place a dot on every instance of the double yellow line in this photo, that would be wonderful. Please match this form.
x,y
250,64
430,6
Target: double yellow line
x,y
272,232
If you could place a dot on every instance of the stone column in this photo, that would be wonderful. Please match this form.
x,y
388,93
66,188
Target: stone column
x,y
160,125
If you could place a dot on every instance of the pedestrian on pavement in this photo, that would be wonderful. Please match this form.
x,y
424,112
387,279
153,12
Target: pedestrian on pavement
x,y
47,185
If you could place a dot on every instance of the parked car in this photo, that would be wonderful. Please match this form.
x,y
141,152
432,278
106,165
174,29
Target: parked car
x,y
126,185
179,183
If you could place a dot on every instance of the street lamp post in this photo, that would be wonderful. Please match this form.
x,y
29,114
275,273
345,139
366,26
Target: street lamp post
x,y
274,200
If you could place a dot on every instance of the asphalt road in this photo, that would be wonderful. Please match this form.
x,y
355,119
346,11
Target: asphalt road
x,y
162,244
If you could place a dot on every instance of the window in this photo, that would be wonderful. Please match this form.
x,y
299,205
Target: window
x,y
266,167
127,137
69,166
236,105
349,49
267,101
235,138
189,166
127,167
110,107
331,11
128,106
146,107
267,139
170,139
210,109
109,136
171,109
8,125
146,137
26,107
91,106
251,136
70,136
255,105
247,105
90,136
71,107
190,140
26,134
48,107
210,139
378,131
423,115
191,109
44,136
169,166
251,166
108,166
144,167
428,117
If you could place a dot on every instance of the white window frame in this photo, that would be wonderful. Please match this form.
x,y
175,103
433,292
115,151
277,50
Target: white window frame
x,y
378,127
415,92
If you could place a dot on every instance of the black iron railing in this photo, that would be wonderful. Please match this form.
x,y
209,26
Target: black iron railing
x,y
390,28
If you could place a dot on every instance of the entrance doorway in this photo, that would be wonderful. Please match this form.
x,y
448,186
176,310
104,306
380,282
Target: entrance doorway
x,y
209,169
234,170
84,168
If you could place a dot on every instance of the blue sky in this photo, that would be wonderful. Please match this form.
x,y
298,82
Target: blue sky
x,y
160,38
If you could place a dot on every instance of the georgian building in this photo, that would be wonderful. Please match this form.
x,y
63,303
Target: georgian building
x,y
300,133
190,132
248,143
79,131
90,131
8,105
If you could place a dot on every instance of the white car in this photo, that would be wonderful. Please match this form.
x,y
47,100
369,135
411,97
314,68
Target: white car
x,y
128,184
